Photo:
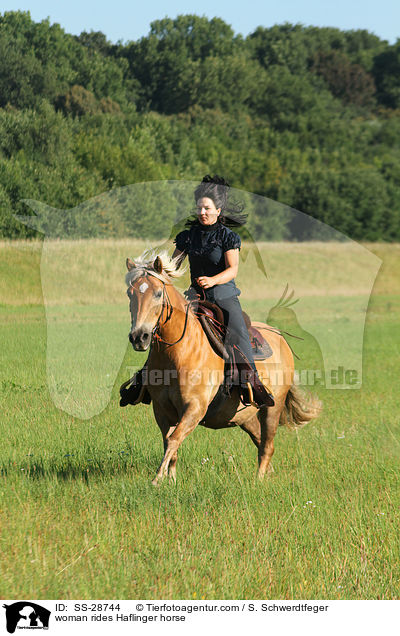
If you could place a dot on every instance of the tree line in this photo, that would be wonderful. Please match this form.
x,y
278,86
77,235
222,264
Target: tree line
x,y
306,116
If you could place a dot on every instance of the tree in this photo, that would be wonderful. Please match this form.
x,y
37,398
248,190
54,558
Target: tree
x,y
386,71
349,82
95,41
77,101
23,79
164,60
282,45
353,201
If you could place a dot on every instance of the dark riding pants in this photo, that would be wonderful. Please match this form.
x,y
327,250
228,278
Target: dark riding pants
x,y
237,331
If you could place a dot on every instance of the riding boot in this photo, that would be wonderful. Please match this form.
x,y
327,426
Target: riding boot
x,y
134,391
253,391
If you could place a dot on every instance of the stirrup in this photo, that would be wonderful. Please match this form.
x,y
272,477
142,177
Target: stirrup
x,y
256,396
246,395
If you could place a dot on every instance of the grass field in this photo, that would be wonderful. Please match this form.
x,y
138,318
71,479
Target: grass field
x,y
79,517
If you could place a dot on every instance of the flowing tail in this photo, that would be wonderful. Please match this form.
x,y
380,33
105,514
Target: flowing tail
x,y
299,408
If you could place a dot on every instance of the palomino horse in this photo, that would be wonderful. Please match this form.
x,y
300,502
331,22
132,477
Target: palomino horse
x,y
184,374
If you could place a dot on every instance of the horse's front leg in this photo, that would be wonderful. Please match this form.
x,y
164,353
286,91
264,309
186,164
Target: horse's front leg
x,y
166,420
174,458
192,415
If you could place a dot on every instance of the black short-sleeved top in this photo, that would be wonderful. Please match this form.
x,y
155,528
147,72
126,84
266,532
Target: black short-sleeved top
x,y
205,246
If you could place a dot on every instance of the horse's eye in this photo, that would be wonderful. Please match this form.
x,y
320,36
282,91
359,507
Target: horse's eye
x,y
157,294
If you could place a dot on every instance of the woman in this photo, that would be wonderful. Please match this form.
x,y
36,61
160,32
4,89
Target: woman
x,y
213,251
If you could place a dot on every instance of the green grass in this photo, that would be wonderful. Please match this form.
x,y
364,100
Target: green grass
x,y
80,519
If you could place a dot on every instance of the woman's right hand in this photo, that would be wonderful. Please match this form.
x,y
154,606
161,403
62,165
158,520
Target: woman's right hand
x,y
205,282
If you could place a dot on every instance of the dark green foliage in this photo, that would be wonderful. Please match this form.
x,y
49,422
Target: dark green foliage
x,y
22,76
39,59
172,63
355,199
294,46
387,76
95,41
306,116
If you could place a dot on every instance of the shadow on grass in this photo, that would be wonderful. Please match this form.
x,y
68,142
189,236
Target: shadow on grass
x,y
114,463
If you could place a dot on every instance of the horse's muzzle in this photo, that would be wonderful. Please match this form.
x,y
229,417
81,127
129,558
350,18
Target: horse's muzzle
x,y
140,339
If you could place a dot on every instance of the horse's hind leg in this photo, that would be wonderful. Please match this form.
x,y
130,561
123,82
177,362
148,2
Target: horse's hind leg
x,y
269,421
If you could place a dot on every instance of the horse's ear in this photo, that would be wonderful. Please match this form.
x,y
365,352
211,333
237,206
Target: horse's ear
x,y
158,265
129,264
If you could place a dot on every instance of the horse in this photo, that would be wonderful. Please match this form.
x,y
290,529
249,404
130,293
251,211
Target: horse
x,y
185,374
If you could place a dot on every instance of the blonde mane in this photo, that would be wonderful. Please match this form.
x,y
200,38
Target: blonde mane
x,y
144,264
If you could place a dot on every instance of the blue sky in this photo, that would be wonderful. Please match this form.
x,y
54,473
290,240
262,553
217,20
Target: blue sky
x,y
129,20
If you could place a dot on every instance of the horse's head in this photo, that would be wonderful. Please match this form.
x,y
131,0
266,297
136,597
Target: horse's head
x,y
146,280
145,293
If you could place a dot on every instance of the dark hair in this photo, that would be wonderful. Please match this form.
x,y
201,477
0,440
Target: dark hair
x,y
217,189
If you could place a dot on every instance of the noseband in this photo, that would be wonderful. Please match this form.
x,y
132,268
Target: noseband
x,y
166,303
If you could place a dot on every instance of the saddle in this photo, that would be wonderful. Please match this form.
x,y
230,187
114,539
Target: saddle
x,y
212,320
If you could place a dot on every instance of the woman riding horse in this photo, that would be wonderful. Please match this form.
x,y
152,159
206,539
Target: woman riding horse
x,y
213,251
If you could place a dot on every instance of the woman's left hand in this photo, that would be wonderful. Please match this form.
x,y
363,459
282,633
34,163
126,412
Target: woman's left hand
x,y
205,282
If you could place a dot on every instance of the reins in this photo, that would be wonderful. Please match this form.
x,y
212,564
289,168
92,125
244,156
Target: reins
x,y
217,325
156,334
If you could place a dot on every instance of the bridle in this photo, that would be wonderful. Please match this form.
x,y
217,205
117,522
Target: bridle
x,y
166,304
